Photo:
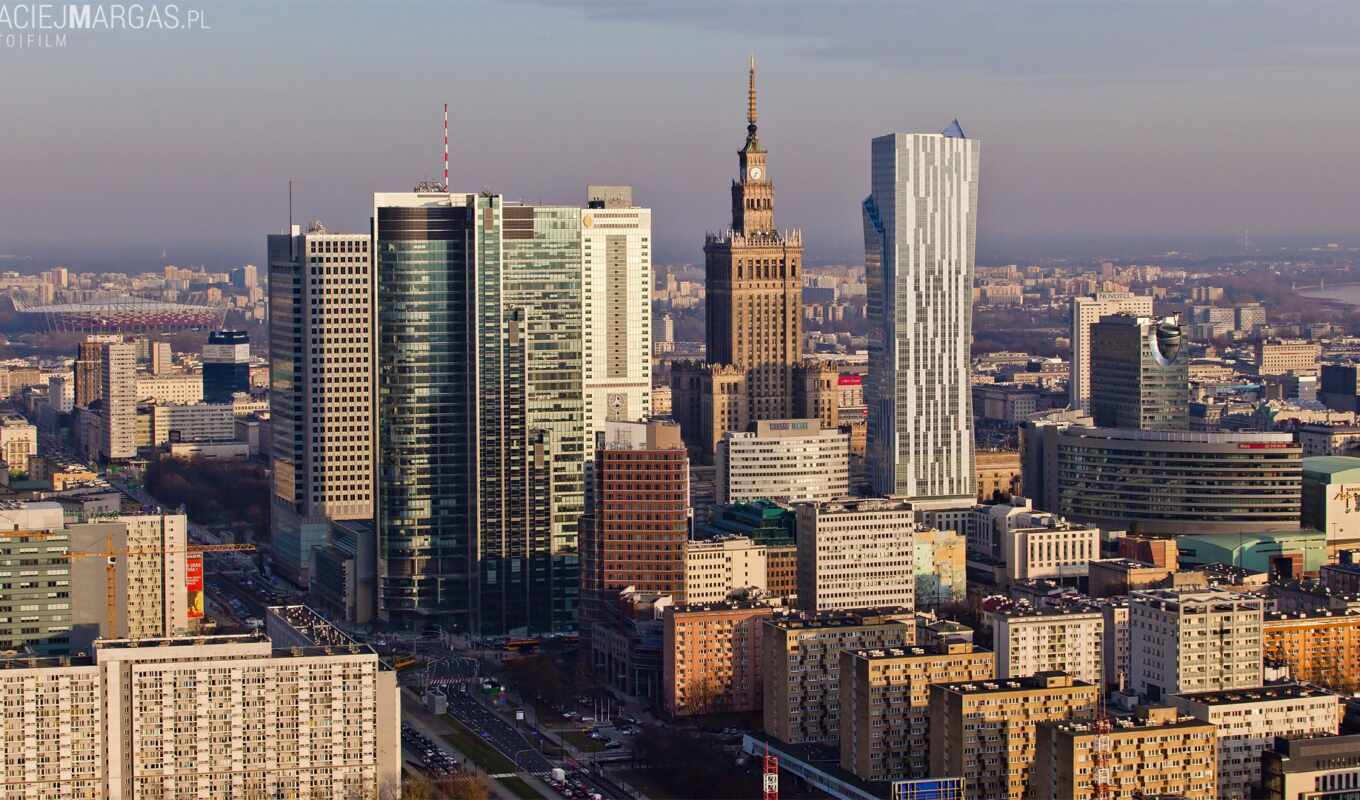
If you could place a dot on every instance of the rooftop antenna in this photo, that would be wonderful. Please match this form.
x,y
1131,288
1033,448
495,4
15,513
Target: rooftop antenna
x,y
446,147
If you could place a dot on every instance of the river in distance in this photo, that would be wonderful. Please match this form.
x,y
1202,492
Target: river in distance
x,y
1348,293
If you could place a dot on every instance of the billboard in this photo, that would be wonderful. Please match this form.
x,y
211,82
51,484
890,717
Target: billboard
x,y
193,582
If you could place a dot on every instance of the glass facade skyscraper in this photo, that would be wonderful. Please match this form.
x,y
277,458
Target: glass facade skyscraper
x,y
1140,377
920,228
481,411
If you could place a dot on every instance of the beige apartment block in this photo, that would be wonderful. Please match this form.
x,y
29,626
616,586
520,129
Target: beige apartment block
x,y
1159,752
985,731
801,664
885,704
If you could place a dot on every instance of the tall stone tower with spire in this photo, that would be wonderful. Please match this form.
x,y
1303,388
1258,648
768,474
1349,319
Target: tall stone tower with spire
x,y
754,321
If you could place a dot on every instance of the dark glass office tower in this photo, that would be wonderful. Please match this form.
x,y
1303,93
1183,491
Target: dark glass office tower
x,y
226,365
481,411
1139,374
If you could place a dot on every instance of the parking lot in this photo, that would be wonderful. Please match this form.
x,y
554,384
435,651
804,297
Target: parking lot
x,y
439,761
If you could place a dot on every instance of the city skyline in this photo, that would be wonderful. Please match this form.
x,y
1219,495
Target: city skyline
x,y
1089,123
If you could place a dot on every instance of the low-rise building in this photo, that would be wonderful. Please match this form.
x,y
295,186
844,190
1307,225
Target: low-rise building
x,y
1285,356
984,731
1113,577
1158,753
1249,720
18,442
998,473
711,658
199,422
1331,499
885,704
801,664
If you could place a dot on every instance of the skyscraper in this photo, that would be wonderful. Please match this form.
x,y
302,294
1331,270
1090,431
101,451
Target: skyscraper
x,y
321,389
754,306
118,376
87,381
226,365
617,326
920,226
1139,374
1087,311
481,410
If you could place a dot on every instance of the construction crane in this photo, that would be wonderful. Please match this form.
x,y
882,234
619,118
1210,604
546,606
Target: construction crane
x,y
110,554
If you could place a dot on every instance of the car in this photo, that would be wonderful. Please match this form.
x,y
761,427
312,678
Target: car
x,y
612,745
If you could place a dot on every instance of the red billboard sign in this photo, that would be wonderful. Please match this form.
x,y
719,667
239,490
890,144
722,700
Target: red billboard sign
x,y
193,582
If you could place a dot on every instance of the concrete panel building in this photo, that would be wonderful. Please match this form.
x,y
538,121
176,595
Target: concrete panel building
x,y
711,658
1248,721
118,377
1159,753
791,460
1310,767
1031,640
1321,646
856,554
1194,640
180,717
885,704
800,656
985,731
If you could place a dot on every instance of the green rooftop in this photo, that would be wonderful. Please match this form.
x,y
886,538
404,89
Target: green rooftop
x,y
1332,469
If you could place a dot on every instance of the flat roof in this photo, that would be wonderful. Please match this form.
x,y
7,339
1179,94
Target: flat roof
x,y
1279,691
1037,681
1332,469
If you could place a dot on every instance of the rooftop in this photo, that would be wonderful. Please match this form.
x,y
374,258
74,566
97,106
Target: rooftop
x,y
1040,681
1333,469
844,619
1280,691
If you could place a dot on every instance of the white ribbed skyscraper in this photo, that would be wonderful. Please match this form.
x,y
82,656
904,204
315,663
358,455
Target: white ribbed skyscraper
x,y
920,231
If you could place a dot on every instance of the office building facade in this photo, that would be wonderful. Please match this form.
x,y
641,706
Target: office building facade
x,y
1087,311
616,258
36,578
1139,374
856,554
321,390
920,227
790,460
1166,481
226,365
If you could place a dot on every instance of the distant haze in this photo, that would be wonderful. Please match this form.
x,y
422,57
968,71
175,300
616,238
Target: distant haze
x,y
1107,128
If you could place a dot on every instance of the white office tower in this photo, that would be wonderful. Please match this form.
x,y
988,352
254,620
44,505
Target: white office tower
x,y
855,554
118,373
920,228
321,389
793,460
616,258
1086,312
308,716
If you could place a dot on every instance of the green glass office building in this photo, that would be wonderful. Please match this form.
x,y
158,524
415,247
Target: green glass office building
x,y
481,412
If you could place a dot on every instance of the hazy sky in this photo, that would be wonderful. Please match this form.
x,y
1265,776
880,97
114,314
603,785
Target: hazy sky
x,y
1122,124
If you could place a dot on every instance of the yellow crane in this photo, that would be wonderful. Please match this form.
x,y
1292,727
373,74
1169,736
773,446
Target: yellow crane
x,y
111,554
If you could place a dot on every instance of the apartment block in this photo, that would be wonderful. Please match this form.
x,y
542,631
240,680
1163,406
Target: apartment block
x,y
1193,640
800,657
1158,753
985,731
200,422
1321,646
118,376
1286,356
173,717
856,554
711,658
1031,640
788,459
885,704
1249,720
715,568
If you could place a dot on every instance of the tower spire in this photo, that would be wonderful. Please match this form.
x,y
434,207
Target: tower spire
x,y
751,99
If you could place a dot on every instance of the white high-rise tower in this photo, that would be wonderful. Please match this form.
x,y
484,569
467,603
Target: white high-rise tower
x,y
920,231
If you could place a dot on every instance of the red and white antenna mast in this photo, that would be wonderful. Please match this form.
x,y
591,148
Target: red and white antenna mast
x,y
446,147
770,781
